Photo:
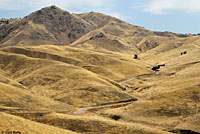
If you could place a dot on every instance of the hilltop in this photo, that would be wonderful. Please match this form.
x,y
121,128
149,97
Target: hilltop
x,y
50,25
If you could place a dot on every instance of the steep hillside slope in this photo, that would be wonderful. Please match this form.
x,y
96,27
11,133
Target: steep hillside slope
x,y
14,124
115,35
17,100
111,34
69,75
50,25
97,19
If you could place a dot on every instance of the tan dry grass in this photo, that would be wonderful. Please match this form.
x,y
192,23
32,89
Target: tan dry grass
x,y
95,125
11,123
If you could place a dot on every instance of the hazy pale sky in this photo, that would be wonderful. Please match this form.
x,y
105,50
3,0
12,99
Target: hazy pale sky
x,y
181,16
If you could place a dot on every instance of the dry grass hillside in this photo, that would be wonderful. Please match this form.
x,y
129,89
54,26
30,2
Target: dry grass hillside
x,y
93,124
50,25
170,101
97,19
13,124
17,100
76,73
70,77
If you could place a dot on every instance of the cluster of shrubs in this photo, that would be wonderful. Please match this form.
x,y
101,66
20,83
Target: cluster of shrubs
x,y
155,68
185,52
100,35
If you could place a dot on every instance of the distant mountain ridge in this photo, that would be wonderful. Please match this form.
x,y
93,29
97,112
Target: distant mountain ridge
x,y
54,26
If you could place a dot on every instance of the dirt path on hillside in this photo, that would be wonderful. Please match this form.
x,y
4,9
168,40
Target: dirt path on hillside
x,y
114,104
132,78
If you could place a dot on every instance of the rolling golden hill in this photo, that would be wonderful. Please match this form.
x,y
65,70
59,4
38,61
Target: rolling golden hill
x,y
76,73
